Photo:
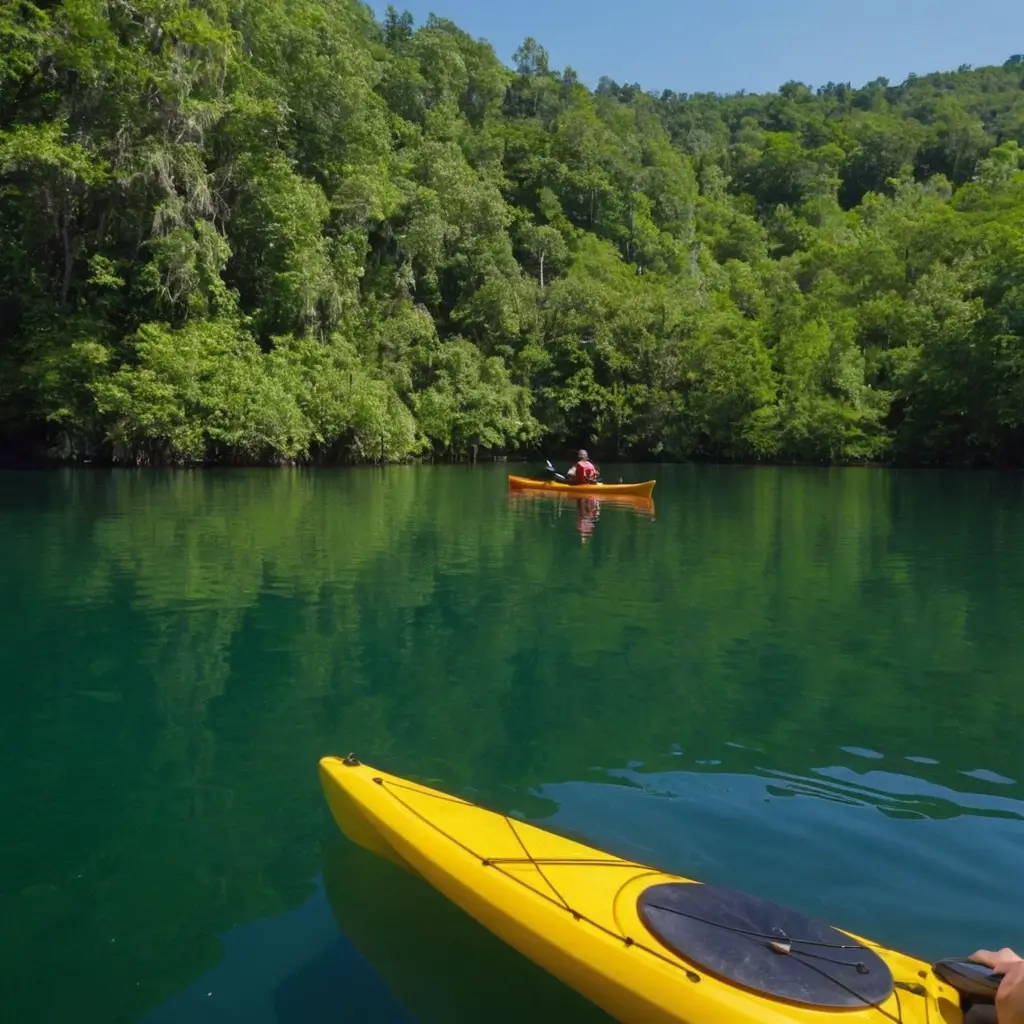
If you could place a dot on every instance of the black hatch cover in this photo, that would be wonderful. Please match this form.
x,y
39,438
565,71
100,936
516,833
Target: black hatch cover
x,y
763,947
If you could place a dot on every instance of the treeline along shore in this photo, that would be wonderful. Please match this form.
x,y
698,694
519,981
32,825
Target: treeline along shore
x,y
284,231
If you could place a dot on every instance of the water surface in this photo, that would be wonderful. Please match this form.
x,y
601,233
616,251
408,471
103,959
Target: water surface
x,y
803,683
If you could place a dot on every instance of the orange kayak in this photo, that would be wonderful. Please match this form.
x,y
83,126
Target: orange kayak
x,y
639,505
525,483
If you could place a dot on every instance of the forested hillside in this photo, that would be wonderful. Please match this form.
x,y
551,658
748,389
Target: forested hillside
x,y
251,230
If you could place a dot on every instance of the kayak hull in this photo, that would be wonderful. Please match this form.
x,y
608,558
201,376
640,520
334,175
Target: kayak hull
x,y
638,490
641,506
396,921
577,916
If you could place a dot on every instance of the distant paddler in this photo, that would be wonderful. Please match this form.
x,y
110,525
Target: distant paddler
x,y
584,471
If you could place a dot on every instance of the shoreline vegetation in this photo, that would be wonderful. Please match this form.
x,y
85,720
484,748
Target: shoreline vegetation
x,y
258,232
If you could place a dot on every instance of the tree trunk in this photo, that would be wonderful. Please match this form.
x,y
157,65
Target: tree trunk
x,y
69,261
631,244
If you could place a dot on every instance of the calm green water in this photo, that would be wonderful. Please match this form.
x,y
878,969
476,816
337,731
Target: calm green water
x,y
804,683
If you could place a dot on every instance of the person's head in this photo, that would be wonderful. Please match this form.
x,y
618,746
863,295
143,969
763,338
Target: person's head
x,y
582,454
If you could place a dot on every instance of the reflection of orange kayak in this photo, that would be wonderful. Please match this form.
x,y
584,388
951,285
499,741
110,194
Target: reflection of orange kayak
x,y
525,483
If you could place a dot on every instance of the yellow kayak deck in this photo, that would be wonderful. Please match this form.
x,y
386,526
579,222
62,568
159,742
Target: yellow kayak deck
x,y
638,490
573,909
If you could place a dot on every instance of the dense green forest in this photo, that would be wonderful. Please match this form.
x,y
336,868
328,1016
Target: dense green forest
x,y
263,230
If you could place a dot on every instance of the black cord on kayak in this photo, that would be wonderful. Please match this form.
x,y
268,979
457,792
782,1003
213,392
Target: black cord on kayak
x,y
785,948
596,862
550,884
497,862
897,1018
772,939
630,943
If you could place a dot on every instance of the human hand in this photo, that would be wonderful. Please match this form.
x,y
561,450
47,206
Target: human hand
x,y
1010,997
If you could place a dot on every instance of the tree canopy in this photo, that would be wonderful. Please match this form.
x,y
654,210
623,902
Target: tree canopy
x,y
267,230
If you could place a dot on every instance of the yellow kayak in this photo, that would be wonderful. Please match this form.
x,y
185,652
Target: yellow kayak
x,y
395,921
525,483
645,946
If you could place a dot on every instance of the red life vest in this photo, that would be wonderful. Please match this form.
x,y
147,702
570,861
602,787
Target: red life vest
x,y
586,472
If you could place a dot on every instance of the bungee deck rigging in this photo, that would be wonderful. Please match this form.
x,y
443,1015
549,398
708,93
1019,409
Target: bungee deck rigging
x,y
654,947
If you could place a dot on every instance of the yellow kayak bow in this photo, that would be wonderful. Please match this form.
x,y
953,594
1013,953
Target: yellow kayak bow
x,y
616,930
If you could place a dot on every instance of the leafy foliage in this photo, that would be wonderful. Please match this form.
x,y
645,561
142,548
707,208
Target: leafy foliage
x,y
264,231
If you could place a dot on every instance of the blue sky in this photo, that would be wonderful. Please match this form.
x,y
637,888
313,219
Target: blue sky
x,y
728,45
